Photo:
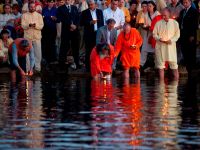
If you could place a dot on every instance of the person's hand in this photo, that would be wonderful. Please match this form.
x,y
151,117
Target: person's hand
x,y
10,21
30,73
191,39
22,73
53,18
133,46
101,75
32,25
5,58
162,40
169,42
118,27
93,22
72,27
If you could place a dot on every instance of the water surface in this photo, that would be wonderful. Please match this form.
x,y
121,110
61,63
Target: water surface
x,y
79,113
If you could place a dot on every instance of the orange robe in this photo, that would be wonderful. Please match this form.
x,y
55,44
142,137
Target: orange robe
x,y
129,57
98,65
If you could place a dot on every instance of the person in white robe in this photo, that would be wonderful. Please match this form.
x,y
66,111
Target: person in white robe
x,y
166,33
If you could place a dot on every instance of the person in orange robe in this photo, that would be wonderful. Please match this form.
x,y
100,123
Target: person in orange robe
x,y
101,60
128,43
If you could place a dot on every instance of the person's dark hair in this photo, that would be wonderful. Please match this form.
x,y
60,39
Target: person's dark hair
x,y
16,6
111,20
4,31
144,2
133,2
154,4
114,1
5,6
102,46
24,43
30,4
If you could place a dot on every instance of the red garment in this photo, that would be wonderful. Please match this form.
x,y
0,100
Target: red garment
x,y
20,51
98,65
129,57
153,23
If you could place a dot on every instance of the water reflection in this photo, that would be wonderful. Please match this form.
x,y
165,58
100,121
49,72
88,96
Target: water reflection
x,y
79,113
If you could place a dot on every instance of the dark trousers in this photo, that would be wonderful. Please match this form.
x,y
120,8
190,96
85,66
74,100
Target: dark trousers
x,y
90,42
49,44
188,50
69,40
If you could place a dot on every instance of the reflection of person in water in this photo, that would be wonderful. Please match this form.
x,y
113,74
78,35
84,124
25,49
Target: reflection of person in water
x,y
132,105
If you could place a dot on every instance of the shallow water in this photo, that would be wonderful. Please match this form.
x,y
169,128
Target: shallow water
x,y
77,113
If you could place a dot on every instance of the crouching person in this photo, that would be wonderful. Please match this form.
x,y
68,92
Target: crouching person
x,y
101,60
17,57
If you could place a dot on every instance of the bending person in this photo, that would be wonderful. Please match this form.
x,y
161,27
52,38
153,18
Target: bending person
x,y
101,60
17,57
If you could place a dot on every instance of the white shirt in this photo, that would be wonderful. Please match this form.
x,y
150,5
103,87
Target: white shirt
x,y
94,17
117,15
4,18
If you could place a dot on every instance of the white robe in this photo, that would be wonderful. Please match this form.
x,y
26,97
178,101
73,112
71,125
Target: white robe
x,y
166,31
146,47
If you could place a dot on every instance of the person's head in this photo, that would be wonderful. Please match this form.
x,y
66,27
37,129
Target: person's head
x,y
121,3
60,2
151,7
174,2
31,7
91,4
110,23
6,9
31,1
144,6
166,14
24,44
5,34
127,28
103,48
187,3
7,2
15,9
133,6
68,2
114,4
50,3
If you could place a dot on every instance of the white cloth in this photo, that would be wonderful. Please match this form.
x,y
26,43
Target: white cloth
x,y
37,54
32,33
4,18
108,36
117,15
166,31
18,15
94,17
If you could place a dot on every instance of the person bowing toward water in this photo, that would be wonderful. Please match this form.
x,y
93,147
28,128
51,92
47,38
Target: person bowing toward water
x,y
17,57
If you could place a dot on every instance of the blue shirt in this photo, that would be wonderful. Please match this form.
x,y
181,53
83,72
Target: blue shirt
x,y
15,56
47,14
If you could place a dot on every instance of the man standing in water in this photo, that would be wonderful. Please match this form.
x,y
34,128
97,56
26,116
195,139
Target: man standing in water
x,y
166,32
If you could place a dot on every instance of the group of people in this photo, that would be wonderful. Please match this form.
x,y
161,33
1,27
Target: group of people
x,y
110,32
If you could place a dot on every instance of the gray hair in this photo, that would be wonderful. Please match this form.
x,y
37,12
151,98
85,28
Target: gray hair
x,y
111,20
